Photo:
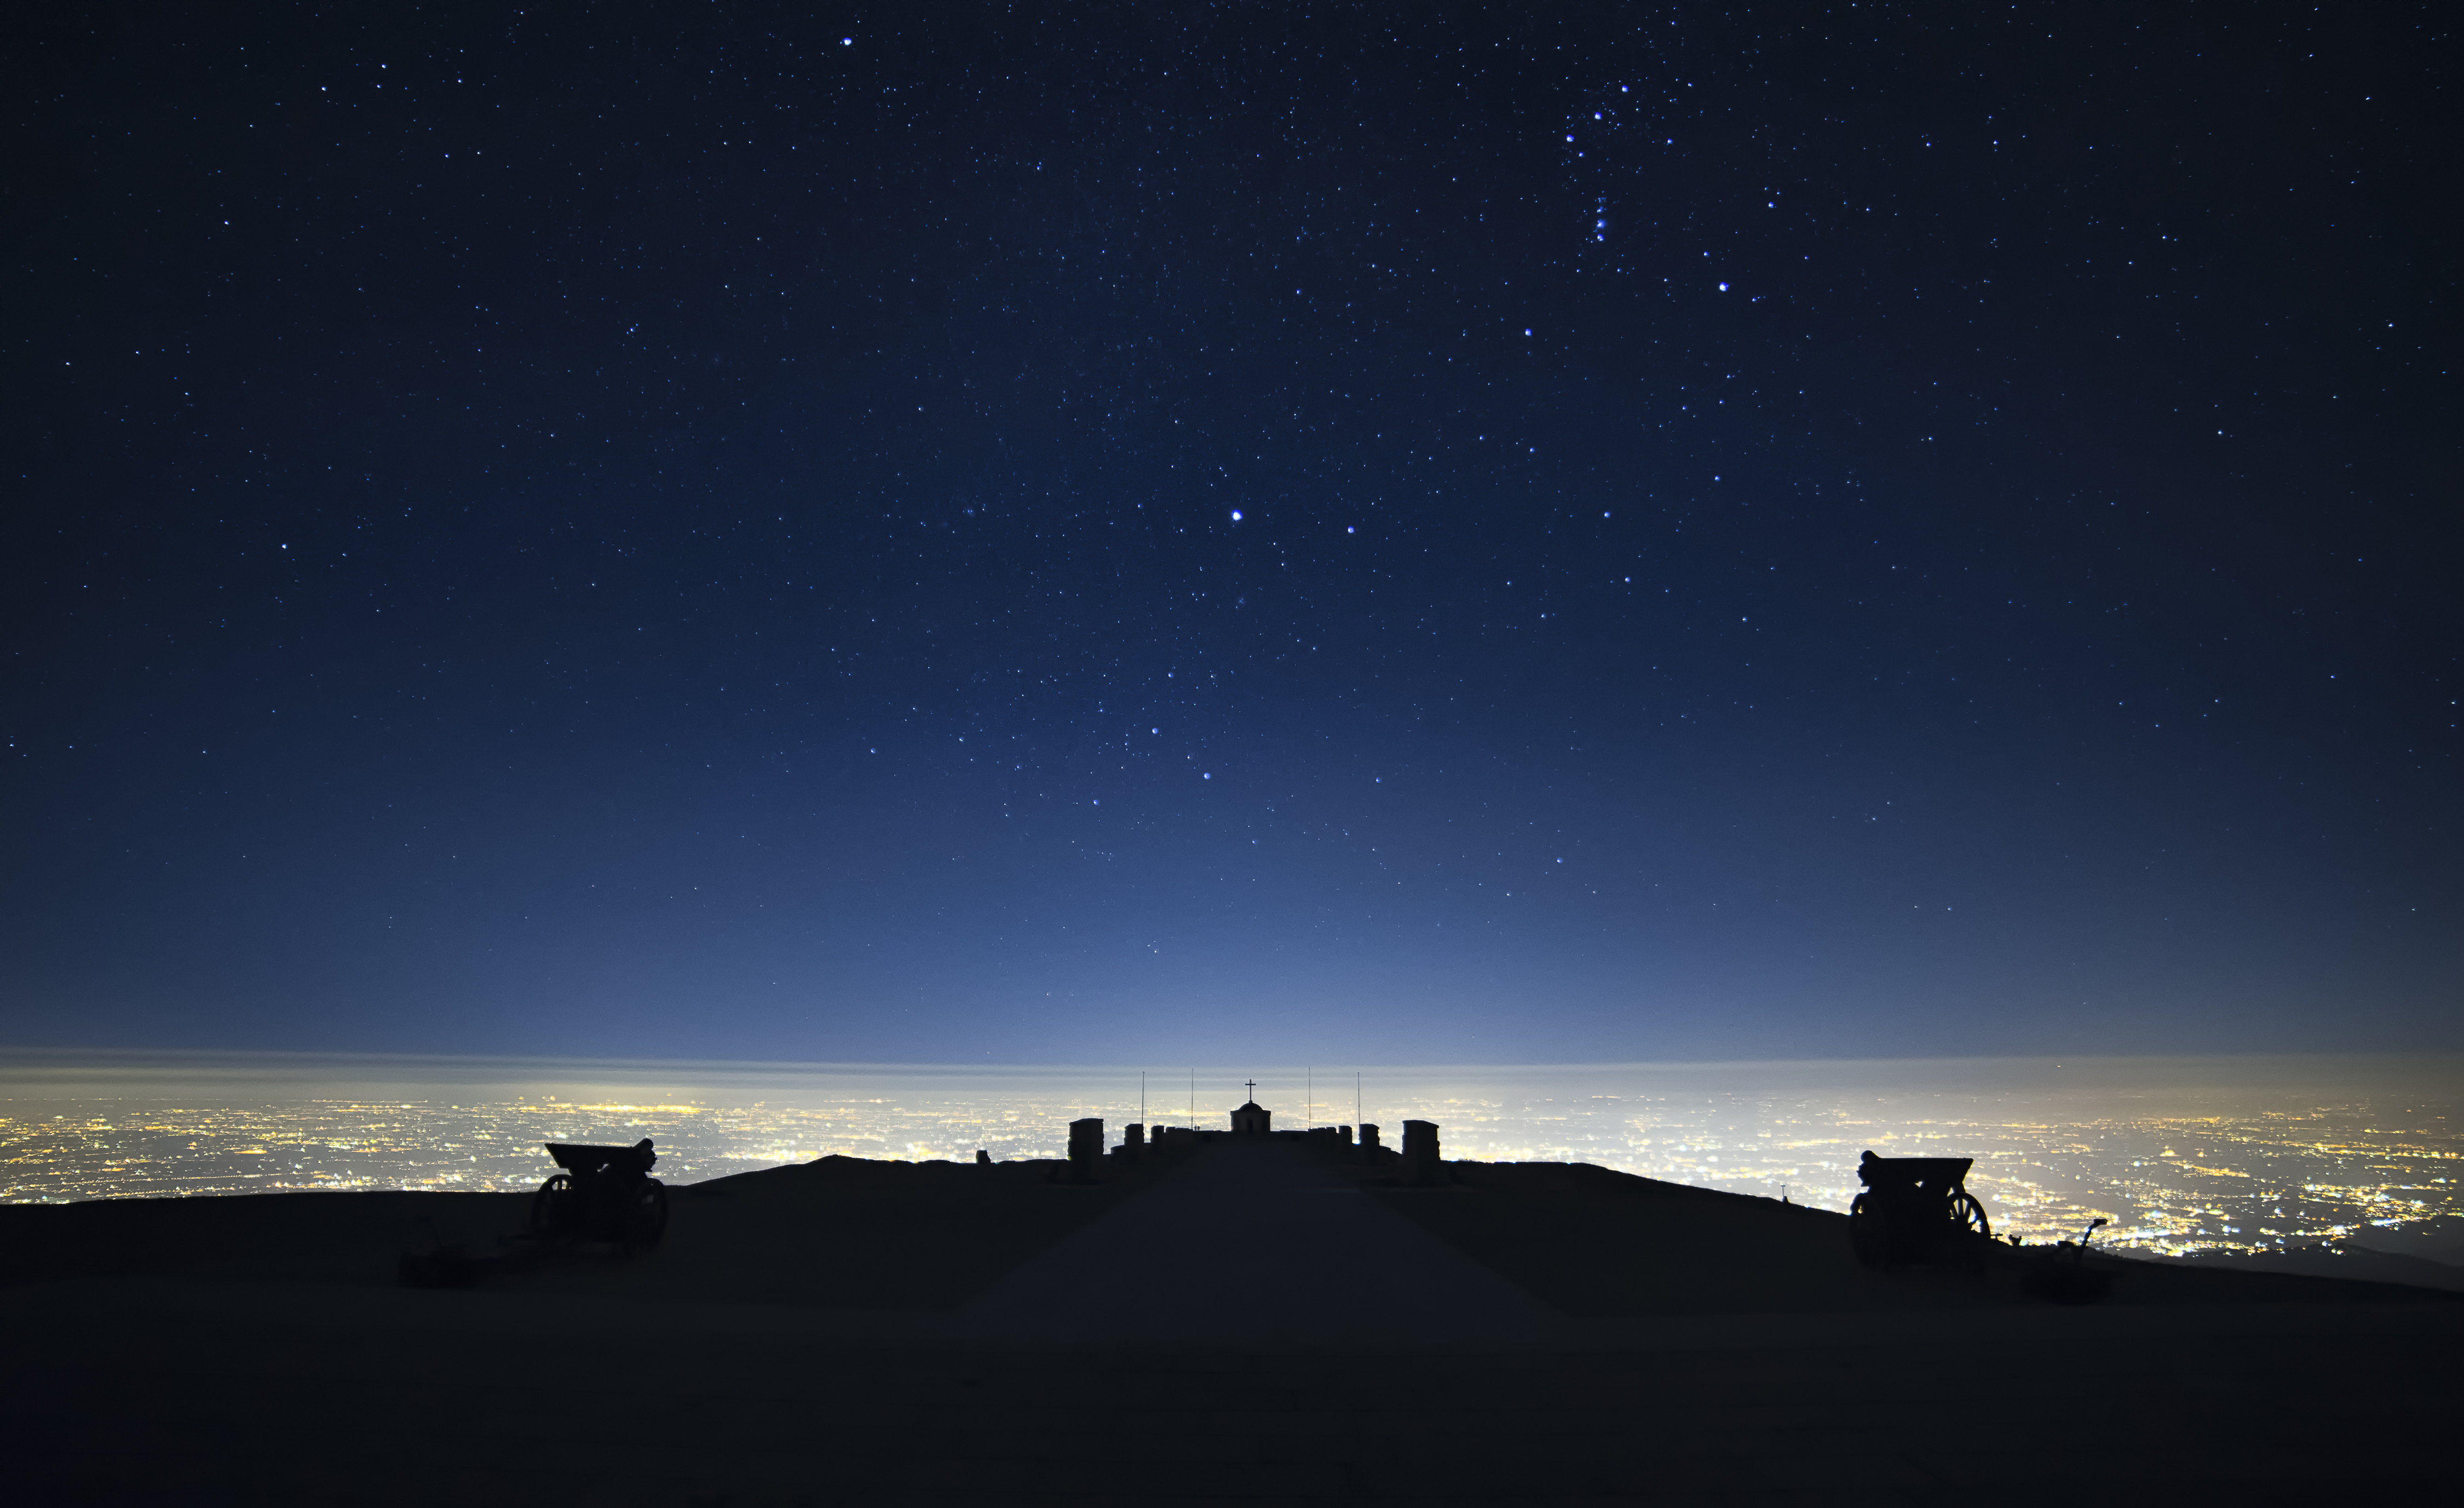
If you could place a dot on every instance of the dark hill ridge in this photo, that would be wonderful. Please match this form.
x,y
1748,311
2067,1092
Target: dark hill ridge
x,y
927,1236
1252,1323
840,1231
843,1232
1594,1242
2428,1255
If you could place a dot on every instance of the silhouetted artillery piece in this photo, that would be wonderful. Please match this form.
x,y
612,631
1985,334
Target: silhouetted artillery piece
x,y
605,1193
1916,1210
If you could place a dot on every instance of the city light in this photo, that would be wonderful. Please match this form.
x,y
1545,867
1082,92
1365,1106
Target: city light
x,y
2263,1176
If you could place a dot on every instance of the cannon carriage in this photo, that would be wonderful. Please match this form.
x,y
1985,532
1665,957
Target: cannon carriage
x,y
1916,1210
605,1193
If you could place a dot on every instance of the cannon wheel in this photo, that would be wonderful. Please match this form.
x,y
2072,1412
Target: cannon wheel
x,y
551,1208
1970,1215
645,1218
1869,1231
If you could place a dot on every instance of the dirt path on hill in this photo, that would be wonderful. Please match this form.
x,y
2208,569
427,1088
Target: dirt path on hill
x,y
1255,1244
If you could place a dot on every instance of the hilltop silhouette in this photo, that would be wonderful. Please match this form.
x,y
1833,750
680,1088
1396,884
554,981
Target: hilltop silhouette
x,y
1300,1307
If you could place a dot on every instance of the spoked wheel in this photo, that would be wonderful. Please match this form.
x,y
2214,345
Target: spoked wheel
x,y
645,1218
552,1207
1869,1231
1972,1234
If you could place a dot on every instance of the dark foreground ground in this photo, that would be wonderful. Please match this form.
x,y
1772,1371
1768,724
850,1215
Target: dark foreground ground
x,y
1251,1326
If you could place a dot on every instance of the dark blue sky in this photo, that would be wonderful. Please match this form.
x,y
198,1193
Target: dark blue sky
x,y
1424,532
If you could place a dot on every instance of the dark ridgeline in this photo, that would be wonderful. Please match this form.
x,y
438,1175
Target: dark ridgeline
x,y
1540,1297
1914,1213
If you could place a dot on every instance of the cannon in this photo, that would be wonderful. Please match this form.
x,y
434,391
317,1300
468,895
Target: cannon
x,y
605,1193
1916,1210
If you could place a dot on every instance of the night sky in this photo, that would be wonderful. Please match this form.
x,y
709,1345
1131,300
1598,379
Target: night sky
x,y
1431,533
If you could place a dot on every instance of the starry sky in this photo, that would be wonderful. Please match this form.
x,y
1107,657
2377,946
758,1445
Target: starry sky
x,y
1096,533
